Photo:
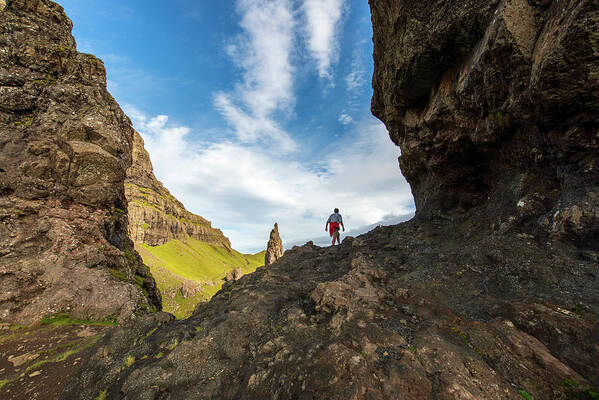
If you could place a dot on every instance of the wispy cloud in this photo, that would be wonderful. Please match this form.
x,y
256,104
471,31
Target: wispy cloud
x,y
323,18
263,52
252,128
357,77
345,119
244,188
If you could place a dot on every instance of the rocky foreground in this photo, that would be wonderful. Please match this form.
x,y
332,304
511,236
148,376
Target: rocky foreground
x,y
414,311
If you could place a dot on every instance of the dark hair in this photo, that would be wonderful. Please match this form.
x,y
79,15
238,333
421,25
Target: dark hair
x,y
336,210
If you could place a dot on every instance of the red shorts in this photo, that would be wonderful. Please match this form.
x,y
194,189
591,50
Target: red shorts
x,y
332,227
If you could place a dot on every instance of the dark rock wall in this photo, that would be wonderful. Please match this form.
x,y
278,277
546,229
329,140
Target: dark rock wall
x,y
156,216
65,146
494,105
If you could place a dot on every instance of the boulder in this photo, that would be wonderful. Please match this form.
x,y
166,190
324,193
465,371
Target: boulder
x,y
234,275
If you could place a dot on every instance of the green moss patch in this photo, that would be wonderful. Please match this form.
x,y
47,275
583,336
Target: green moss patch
x,y
63,319
55,355
576,391
102,395
129,361
120,275
525,394
25,122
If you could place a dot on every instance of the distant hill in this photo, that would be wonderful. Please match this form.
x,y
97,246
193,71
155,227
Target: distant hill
x,y
186,255
190,271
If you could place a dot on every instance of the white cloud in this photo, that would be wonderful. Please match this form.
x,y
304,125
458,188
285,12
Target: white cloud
x,y
251,129
322,26
243,189
345,119
263,52
356,78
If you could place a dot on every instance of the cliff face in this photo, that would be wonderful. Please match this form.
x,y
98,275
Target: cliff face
x,y
65,146
494,106
491,292
155,216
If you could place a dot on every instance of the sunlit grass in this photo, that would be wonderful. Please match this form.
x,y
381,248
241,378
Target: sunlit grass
x,y
192,260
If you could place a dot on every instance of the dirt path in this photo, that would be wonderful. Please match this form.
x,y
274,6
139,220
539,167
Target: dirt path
x,y
36,362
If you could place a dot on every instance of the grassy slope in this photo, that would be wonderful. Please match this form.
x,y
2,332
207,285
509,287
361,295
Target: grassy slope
x,y
197,262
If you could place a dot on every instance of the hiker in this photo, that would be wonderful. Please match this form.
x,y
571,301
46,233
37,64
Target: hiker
x,y
333,226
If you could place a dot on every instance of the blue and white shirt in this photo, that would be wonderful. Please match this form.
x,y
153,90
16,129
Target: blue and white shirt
x,y
335,217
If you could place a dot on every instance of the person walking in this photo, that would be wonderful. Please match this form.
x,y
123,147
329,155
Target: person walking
x,y
333,226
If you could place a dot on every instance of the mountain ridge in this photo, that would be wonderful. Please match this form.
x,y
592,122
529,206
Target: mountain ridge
x,y
156,216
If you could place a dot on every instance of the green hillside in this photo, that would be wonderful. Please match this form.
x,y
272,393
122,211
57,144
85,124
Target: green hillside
x,y
192,264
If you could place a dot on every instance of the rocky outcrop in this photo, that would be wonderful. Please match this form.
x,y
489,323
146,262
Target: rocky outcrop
x,y
491,292
64,148
274,248
494,105
234,275
155,216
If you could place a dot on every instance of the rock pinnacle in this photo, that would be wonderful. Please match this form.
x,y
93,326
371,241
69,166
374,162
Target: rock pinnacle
x,y
274,249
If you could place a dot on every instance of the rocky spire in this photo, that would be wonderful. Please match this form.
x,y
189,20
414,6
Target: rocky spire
x,y
274,249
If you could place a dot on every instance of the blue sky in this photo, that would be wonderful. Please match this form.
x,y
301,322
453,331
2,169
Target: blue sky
x,y
253,111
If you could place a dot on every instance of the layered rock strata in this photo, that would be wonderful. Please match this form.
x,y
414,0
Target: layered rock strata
x,y
274,247
156,216
494,106
491,292
65,146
